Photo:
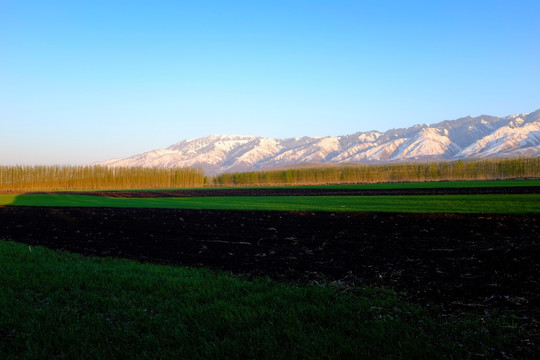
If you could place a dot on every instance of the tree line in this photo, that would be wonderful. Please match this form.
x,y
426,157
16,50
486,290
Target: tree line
x,y
51,178
492,169
67,177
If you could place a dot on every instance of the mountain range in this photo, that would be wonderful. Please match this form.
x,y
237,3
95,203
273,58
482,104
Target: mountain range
x,y
466,138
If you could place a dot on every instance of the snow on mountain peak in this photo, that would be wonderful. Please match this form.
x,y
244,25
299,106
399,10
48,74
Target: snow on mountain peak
x,y
469,137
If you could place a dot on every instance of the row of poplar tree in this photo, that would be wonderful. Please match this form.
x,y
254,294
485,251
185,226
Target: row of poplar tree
x,y
48,178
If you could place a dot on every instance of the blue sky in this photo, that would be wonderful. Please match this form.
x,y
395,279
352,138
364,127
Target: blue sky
x,y
83,81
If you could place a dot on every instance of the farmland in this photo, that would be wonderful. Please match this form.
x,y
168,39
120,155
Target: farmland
x,y
494,204
465,251
62,305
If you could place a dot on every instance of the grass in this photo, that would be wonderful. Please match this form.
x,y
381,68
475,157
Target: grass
x,y
61,305
497,203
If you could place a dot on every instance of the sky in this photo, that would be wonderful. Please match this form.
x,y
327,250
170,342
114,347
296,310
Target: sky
x,y
85,81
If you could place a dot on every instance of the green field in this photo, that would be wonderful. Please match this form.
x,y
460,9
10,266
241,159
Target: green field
x,y
62,305
511,204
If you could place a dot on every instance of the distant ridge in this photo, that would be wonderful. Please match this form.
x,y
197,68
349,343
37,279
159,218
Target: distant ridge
x,y
465,138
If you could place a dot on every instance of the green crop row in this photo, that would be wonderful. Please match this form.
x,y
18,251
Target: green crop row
x,y
494,204
58,305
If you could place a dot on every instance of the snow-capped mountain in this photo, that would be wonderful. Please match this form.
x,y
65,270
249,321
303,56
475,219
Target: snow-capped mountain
x,y
465,138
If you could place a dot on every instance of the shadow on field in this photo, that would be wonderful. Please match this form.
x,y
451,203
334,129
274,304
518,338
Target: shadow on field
x,y
23,199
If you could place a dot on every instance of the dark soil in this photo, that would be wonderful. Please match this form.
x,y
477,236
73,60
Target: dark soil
x,y
441,258
448,262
